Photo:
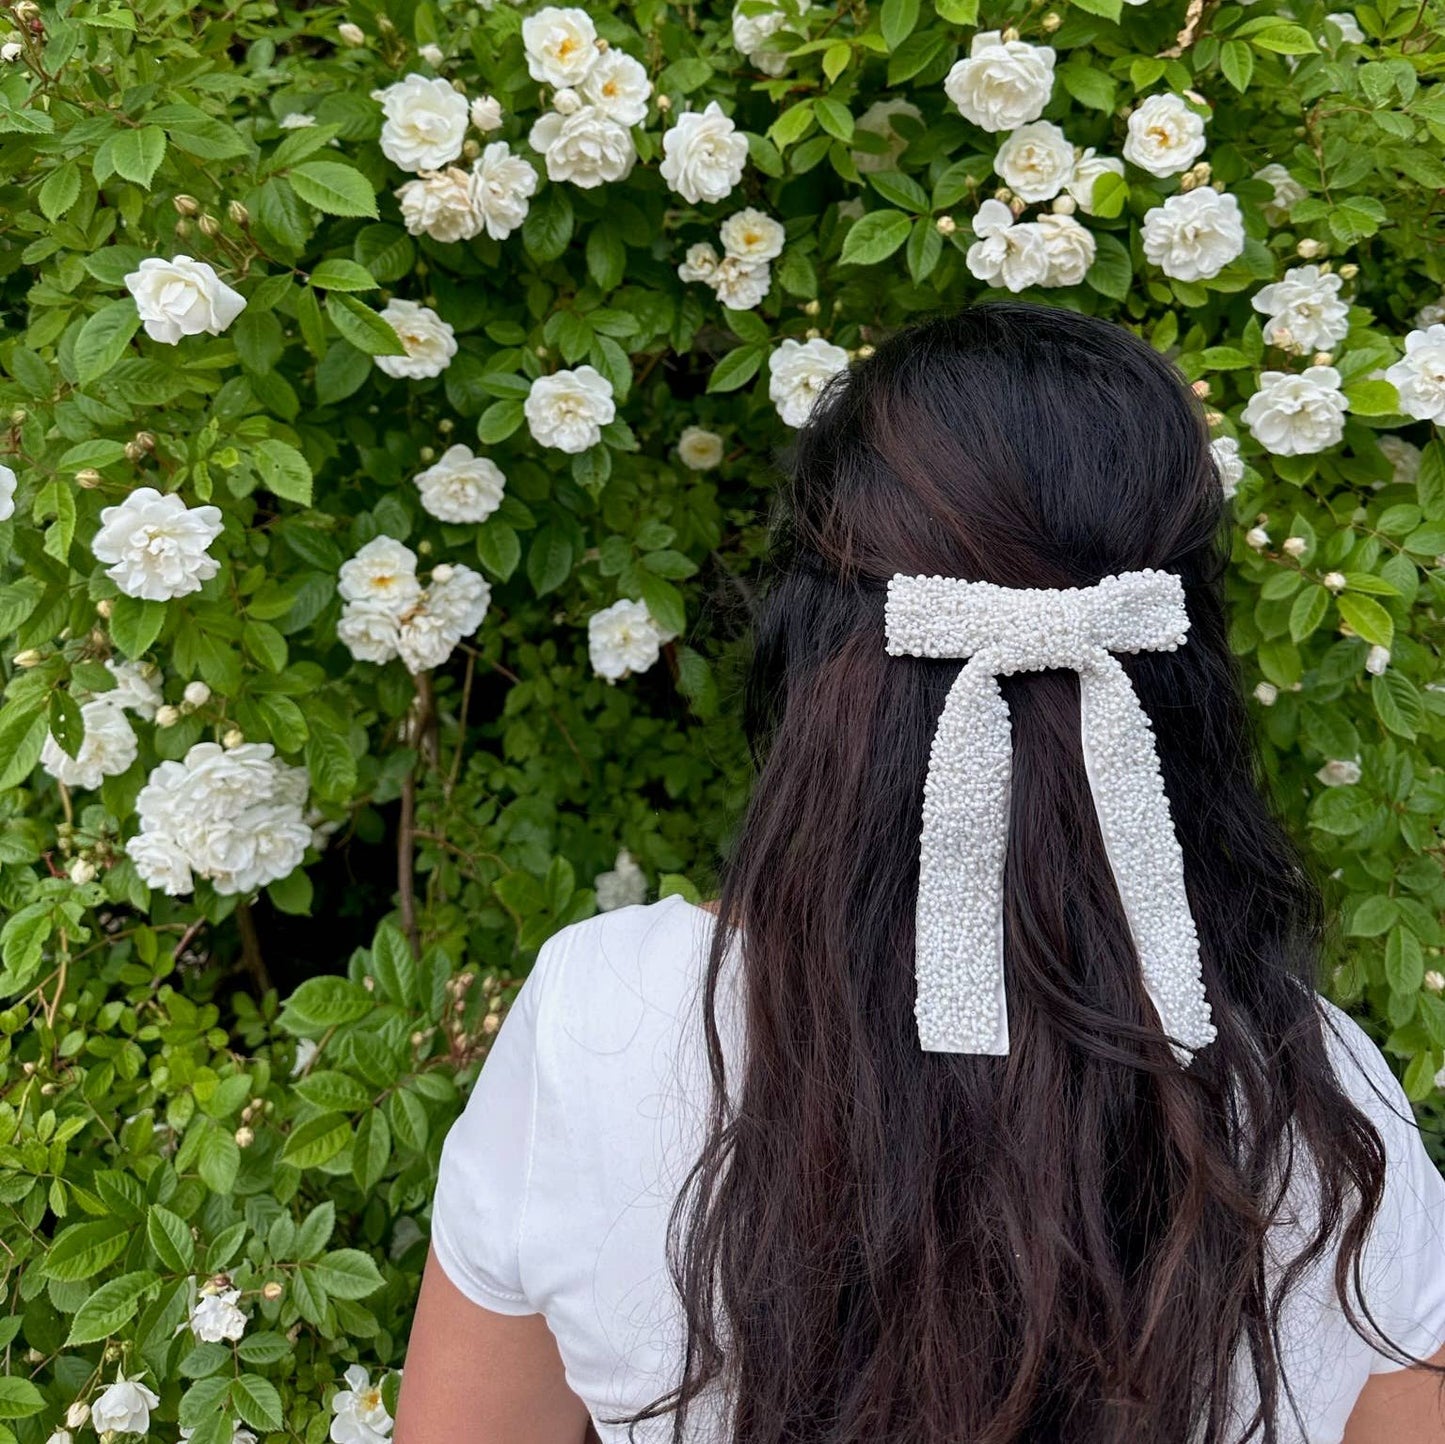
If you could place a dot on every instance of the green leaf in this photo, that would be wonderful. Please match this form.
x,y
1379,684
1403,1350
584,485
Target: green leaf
x,y
170,1237
340,275
137,154
549,559
84,1249
1281,38
1397,703
1367,618
103,339
1109,9
736,368
498,549
394,967
371,1151
548,228
1308,611
1089,86
1236,60
109,1308
316,1141
22,736
255,1399
836,59
1430,488
321,1003
875,236
19,1398
896,20
67,726
347,1273
283,470
135,624
834,117
1375,915
362,327
1112,272
1108,199
332,767
1404,961
197,133
957,12
1372,398
333,189
59,191
500,420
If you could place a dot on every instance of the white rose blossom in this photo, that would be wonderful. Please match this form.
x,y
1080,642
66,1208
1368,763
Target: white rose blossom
x,y
137,688
752,34
1007,253
107,749
1339,773
501,185
561,45
215,1317
124,1408
56,1436
439,205
370,631
233,815
1297,415
297,120
752,235
1266,694
1404,458
1377,659
624,886
1348,27
699,264
459,597
1002,84
1069,247
618,86
425,122
182,297
433,55
430,342
1287,190
1304,309
586,148
1165,135
1419,376
486,114
704,154
623,639
1228,463
1194,235
382,573
1430,314
878,120
461,487
7,493
797,373
741,285
1036,162
156,546
568,409
699,449
358,1414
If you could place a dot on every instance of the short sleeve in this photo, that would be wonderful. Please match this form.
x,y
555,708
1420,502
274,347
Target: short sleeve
x,y
480,1207
1404,1257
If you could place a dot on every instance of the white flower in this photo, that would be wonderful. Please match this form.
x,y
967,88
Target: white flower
x,y
751,33
306,1051
107,749
78,1414
1194,235
1002,84
752,235
486,113
430,342
215,1317
358,1414
433,55
624,886
561,44
700,263
1266,694
1006,253
1228,463
182,297
1404,458
704,155
1165,136
1070,249
699,449
1257,538
797,374
424,641
741,285
350,33
586,148
566,101
197,694
1376,660
233,815
459,598
1430,314
369,630
426,122
137,688
1036,161
82,871
618,86
7,493
461,487
11,51
1335,581
1287,190
624,638
878,120
124,1407
568,409
297,120
1297,415
156,545
1304,309
382,573
1339,773
501,184
1420,376
1348,26
57,1436
439,205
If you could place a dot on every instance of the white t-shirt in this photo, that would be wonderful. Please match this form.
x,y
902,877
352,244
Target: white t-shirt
x,y
557,1179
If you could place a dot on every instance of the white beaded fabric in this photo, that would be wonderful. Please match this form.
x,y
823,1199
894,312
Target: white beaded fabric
x,y
960,1004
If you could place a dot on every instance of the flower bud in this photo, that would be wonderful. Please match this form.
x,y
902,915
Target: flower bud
x,y
442,572
1051,22
1064,205
350,34
369,983
11,51
104,607
863,352
1322,358
383,23
1004,194
812,333
490,1024
77,1415
272,1291
945,225
245,1137
664,103
209,225
1009,35
197,694
812,308
183,229
424,547
1200,389
234,737
27,12
432,54
186,205
1266,694
1309,248
427,454
470,149
446,426
17,417
1295,546
82,871
486,113
28,658
238,213
133,452
1213,418
1349,271
88,478
1435,981
1257,537
566,101
1377,660
167,716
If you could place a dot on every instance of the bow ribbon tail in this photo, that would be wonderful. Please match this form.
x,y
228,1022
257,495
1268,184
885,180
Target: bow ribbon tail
x,y
1143,850
960,1005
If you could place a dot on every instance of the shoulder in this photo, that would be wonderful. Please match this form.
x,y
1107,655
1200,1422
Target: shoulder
x,y
1365,1073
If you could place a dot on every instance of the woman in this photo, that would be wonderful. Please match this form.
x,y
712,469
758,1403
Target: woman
x,y
970,1127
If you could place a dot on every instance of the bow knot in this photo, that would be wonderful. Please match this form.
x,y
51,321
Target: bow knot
x,y
960,1005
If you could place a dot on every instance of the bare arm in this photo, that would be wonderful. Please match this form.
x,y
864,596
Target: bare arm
x,y
1402,1407
477,1377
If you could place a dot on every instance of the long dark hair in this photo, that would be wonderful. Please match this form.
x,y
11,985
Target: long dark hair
x,y
1065,1245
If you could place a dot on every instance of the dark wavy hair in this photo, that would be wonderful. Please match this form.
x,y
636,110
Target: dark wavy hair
x,y
1065,1245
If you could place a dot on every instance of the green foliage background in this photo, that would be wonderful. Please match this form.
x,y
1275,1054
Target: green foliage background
x,y
152,1131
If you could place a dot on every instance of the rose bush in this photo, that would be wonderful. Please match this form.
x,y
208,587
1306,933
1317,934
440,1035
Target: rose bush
x,y
390,392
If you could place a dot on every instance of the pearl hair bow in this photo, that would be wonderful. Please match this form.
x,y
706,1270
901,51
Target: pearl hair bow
x,y
960,1004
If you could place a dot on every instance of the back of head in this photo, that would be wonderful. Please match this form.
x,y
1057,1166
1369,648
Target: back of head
x,y
1064,1244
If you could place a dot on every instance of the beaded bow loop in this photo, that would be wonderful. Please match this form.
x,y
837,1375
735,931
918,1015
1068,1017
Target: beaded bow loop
x,y
960,1004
